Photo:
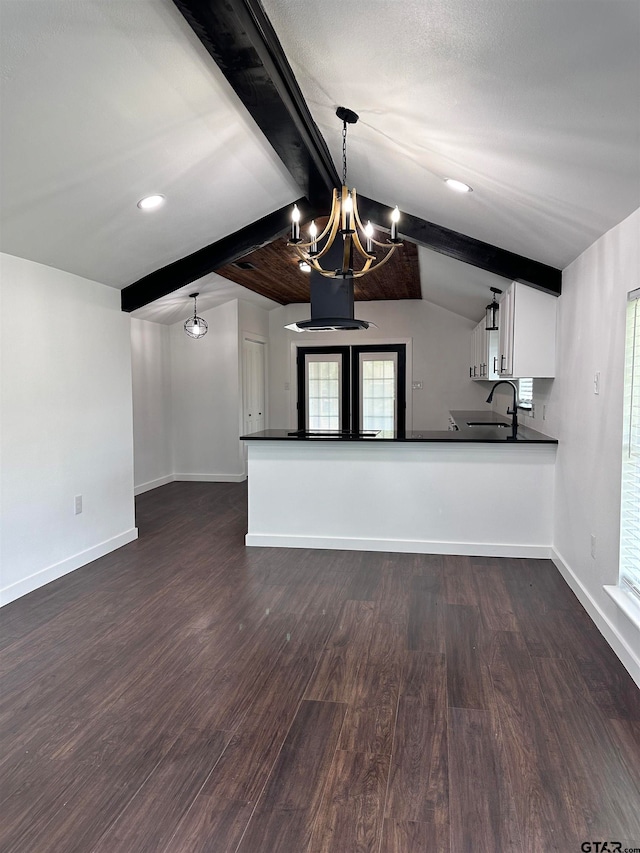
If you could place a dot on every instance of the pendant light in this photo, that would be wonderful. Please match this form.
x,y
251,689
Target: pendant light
x,y
195,326
492,310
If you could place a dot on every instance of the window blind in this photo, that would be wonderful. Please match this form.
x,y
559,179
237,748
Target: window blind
x,y
630,506
525,393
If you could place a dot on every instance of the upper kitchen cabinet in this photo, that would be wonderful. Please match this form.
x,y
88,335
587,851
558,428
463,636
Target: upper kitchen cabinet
x,y
527,336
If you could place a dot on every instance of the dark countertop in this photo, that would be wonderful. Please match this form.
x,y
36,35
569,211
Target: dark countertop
x,y
464,434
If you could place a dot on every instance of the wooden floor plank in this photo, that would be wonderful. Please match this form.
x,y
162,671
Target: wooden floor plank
x,y
335,677
287,810
492,596
418,783
372,707
546,795
466,661
350,817
410,836
426,616
481,805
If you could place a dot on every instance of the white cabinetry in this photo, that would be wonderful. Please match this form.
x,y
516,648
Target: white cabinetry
x,y
527,337
484,353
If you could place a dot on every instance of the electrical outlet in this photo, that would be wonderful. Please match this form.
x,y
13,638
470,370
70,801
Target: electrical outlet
x,y
596,383
593,546
544,413
77,504
286,386
417,386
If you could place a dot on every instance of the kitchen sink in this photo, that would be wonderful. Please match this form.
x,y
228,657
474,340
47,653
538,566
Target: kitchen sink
x,y
487,424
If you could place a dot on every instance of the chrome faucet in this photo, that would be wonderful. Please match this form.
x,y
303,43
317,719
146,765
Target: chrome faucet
x,y
514,411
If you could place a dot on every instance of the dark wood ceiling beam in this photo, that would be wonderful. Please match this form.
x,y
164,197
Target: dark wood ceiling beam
x,y
466,249
240,38
204,261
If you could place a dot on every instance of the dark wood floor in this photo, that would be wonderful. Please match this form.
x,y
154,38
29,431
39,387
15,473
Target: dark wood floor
x,y
188,694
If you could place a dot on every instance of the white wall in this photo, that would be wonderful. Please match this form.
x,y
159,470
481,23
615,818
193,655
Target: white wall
x,y
253,319
591,334
205,399
66,424
440,344
151,380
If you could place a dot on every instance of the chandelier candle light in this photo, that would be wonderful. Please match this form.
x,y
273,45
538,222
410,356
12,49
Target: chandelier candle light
x,y
344,219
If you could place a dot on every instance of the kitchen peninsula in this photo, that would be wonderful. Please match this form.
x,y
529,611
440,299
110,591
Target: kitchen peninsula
x,y
473,490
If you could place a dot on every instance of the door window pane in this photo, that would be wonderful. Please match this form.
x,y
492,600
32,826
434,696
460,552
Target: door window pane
x,y
323,392
378,392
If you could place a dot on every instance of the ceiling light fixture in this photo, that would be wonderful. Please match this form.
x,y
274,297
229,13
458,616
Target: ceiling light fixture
x,y
457,186
344,219
195,326
151,202
304,266
492,310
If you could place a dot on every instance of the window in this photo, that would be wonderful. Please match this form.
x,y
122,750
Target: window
x,y
630,503
525,393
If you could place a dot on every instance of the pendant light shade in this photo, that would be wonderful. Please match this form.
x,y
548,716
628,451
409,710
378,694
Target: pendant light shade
x,y
492,310
195,326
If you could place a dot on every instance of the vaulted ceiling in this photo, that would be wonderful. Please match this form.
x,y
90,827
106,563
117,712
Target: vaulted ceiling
x,y
534,104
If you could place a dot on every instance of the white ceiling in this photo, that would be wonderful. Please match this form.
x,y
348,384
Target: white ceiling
x,y
106,102
534,103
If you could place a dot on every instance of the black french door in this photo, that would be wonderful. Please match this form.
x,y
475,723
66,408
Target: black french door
x,y
357,388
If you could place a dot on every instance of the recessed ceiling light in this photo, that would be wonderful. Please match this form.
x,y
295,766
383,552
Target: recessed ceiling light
x,y
151,202
457,186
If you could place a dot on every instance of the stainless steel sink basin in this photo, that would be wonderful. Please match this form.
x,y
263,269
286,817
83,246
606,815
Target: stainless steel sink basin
x,y
485,424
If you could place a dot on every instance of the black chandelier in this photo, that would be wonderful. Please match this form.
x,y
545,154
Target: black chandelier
x,y
344,219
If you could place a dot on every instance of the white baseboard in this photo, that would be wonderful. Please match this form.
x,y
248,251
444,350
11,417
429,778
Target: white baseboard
x,y
210,478
153,484
57,570
188,478
629,657
403,546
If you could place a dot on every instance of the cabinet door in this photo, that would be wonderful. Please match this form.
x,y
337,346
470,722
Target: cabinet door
x,y
473,355
492,355
527,333
506,324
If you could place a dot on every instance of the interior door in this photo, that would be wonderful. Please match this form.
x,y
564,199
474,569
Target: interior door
x,y
323,388
253,386
379,387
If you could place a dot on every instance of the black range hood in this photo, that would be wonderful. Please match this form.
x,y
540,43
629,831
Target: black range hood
x,y
331,303
331,308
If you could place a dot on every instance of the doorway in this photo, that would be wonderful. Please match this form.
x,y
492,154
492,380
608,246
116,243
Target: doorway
x,y
253,385
356,388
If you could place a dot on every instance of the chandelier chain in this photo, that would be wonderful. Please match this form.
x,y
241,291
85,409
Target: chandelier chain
x,y
344,154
